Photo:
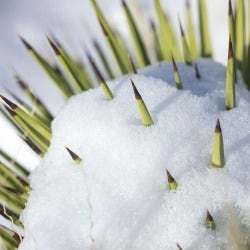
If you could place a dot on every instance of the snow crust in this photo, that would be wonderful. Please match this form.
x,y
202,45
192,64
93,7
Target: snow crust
x,y
123,171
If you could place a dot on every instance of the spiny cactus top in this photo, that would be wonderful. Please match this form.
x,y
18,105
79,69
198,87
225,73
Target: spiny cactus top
x,y
119,196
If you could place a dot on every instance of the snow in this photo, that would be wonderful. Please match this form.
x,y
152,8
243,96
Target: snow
x,y
121,189
75,24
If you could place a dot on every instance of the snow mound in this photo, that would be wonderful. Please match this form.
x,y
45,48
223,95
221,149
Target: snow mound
x,y
121,185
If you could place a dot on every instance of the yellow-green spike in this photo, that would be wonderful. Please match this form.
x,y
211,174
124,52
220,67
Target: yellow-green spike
x,y
74,67
107,92
20,102
66,66
17,237
20,168
231,28
8,238
11,201
231,23
10,215
32,121
74,156
185,47
132,64
168,39
206,47
40,140
191,38
35,99
116,47
210,224
145,115
230,79
156,41
53,73
176,74
31,111
197,72
17,194
33,146
240,33
103,59
10,178
218,159
140,48
172,184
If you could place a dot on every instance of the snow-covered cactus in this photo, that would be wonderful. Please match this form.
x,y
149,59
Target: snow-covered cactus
x,y
149,173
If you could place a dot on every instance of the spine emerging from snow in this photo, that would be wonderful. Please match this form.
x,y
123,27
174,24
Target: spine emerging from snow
x,y
218,159
145,115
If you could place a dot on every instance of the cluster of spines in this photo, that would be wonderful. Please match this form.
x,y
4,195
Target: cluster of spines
x,y
33,125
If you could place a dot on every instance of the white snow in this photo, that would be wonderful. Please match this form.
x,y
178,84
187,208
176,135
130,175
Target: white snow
x,y
124,163
75,24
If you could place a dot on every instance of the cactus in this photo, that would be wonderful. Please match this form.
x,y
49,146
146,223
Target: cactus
x,y
34,125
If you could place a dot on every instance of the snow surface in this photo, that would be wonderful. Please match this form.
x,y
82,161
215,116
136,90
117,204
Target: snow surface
x,y
124,163
75,24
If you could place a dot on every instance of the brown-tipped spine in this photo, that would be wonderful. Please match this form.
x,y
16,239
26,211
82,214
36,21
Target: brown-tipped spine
x,y
230,9
172,184
175,68
217,127
124,4
15,97
96,70
73,155
8,102
230,49
132,64
209,216
56,41
54,46
22,181
26,44
18,238
137,94
170,177
181,28
32,146
210,224
103,28
197,72
13,190
10,111
178,246
22,84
